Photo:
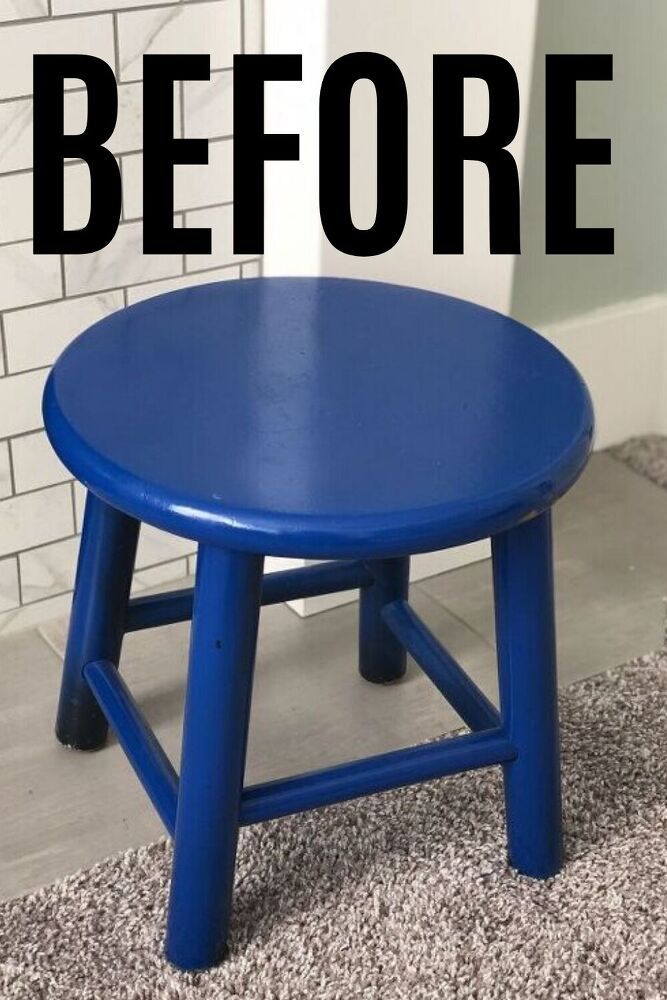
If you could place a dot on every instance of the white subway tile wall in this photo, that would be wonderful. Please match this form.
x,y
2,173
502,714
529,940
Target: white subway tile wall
x,y
47,300
209,26
19,10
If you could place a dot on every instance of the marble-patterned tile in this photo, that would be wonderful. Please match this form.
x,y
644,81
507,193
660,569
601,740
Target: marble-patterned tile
x,y
141,292
16,134
5,471
35,337
77,195
93,6
36,465
16,190
128,133
157,576
27,278
157,546
21,402
29,616
194,185
16,118
220,221
19,43
209,106
213,27
35,518
21,10
123,262
15,207
49,570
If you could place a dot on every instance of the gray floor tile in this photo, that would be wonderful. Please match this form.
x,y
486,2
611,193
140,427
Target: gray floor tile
x,y
610,544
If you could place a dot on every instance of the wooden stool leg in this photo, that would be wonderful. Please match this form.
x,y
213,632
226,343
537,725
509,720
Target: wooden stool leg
x,y
215,729
382,658
523,583
102,588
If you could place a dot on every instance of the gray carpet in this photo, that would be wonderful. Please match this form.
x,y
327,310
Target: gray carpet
x,y
647,455
404,895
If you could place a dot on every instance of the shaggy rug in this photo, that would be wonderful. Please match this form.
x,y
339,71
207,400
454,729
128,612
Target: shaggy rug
x,y
403,895
647,455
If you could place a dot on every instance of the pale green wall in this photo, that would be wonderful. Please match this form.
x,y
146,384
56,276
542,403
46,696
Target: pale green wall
x,y
630,195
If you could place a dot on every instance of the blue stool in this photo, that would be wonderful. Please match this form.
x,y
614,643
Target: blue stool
x,y
327,419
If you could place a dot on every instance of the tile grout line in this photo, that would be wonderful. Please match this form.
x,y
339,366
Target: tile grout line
x,y
110,291
73,297
137,572
3,345
72,497
19,580
63,279
41,545
116,46
12,473
103,12
34,489
122,85
73,494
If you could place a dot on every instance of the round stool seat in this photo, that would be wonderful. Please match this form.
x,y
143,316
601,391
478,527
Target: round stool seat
x,y
319,418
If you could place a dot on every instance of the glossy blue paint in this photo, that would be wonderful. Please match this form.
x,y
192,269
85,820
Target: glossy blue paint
x,y
149,761
439,665
101,591
285,585
317,417
382,658
525,632
375,774
155,610
215,730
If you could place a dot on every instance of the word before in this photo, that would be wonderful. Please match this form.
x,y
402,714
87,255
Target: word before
x,y
253,147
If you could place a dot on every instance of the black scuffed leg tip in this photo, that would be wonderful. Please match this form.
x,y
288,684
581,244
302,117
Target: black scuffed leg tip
x,y
379,679
71,741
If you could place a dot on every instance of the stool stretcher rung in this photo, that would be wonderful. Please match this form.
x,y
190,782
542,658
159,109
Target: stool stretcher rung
x,y
148,759
286,585
439,665
374,774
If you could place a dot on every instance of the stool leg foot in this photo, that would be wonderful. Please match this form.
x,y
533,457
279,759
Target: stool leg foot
x,y
382,658
103,578
523,583
217,709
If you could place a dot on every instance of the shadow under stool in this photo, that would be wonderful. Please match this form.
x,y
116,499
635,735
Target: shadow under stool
x,y
351,422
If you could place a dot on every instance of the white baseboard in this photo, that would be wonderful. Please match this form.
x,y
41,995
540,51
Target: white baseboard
x,y
422,566
622,354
